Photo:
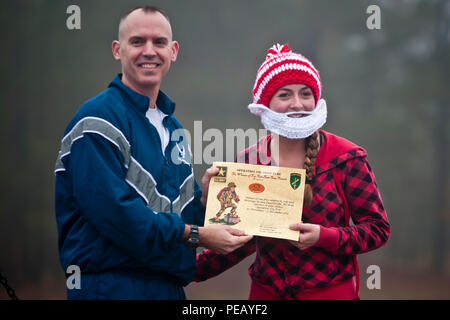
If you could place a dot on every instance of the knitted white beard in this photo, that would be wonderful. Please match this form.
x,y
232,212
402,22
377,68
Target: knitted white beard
x,y
292,128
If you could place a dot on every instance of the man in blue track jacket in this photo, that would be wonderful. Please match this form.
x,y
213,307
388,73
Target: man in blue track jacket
x,y
127,203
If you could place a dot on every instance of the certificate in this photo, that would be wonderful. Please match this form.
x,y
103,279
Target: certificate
x,y
261,200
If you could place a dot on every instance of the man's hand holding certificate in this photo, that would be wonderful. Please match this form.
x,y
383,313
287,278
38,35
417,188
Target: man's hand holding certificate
x,y
261,200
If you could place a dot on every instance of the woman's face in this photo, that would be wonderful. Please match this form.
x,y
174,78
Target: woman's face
x,y
292,98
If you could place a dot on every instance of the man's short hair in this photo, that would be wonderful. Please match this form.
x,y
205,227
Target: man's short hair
x,y
146,9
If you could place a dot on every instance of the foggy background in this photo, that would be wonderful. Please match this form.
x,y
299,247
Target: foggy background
x,y
386,90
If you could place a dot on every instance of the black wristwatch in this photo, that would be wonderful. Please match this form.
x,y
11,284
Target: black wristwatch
x,y
192,240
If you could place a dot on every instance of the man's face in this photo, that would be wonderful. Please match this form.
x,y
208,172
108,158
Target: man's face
x,y
145,49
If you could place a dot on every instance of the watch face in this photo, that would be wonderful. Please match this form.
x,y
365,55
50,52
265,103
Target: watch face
x,y
192,242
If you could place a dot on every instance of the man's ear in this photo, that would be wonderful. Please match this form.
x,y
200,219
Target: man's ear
x,y
175,48
116,49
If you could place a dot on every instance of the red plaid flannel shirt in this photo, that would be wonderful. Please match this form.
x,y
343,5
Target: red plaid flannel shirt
x,y
344,187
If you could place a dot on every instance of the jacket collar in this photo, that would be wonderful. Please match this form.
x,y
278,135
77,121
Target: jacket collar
x,y
142,102
334,151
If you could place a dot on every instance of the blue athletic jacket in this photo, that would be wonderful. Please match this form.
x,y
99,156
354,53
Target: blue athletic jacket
x,y
121,204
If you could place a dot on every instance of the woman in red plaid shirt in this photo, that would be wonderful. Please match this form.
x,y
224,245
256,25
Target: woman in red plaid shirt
x,y
340,185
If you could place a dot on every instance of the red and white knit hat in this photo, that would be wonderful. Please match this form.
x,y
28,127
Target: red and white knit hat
x,y
283,67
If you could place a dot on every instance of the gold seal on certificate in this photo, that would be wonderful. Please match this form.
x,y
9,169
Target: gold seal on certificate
x,y
261,200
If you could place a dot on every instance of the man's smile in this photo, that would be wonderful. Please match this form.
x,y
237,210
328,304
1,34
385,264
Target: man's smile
x,y
148,65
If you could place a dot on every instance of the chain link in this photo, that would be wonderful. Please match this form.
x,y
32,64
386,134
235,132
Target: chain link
x,y
9,290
